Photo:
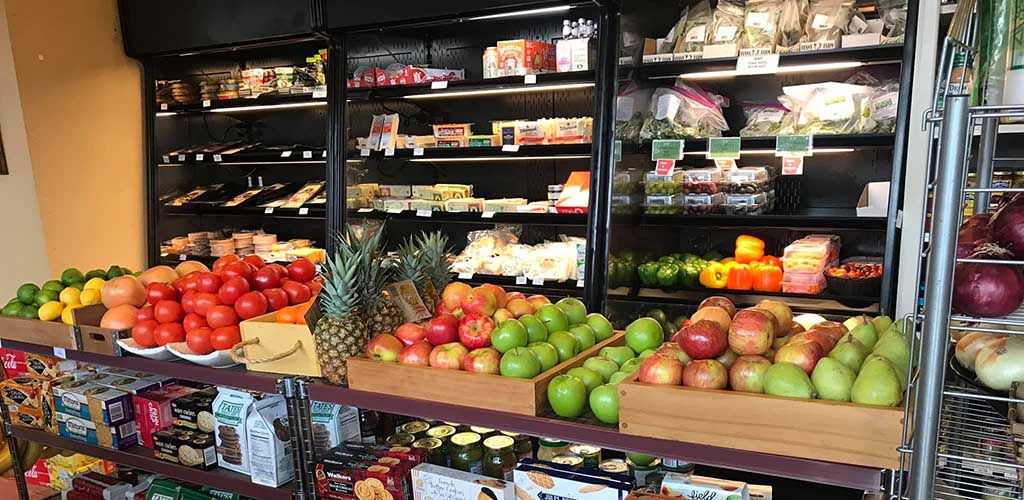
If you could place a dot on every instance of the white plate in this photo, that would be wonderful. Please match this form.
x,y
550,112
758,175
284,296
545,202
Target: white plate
x,y
158,353
216,359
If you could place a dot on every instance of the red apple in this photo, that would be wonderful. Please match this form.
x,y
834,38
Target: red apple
x,y
416,354
443,329
703,339
713,313
836,331
502,314
449,356
705,374
384,347
795,328
500,298
718,301
410,333
782,313
752,332
817,336
673,349
804,353
747,373
520,307
475,331
479,302
510,296
537,301
482,360
779,342
771,318
453,294
661,369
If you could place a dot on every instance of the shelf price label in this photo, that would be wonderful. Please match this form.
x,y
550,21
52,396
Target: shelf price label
x,y
510,148
792,165
618,151
441,85
794,145
364,210
486,215
206,103
417,151
667,149
424,212
364,152
200,157
217,158
181,157
465,276
319,92
167,159
530,79
182,257
520,280
394,210
538,281
304,211
389,152
307,154
724,148
580,284
286,154
59,352
758,64
269,210
664,167
163,106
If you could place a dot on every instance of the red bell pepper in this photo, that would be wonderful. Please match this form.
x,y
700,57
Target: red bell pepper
x,y
740,278
767,278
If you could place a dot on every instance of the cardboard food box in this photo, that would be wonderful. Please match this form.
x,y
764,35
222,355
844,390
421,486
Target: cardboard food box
x,y
676,485
195,410
46,367
342,478
389,132
333,424
153,410
464,205
13,363
230,411
22,392
368,452
412,75
122,383
432,481
521,57
395,191
185,447
102,405
536,480
575,197
270,449
23,416
117,437
397,204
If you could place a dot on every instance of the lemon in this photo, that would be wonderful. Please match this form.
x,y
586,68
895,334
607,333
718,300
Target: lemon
x,y
65,316
70,296
51,310
95,284
89,296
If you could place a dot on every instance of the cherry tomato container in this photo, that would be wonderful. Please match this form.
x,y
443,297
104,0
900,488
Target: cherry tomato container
x,y
855,287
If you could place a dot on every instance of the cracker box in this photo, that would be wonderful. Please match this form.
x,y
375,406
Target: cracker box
x,y
357,450
22,392
130,385
153,410
46,367
14,363
333,424
100,404
536,480
687,486
270,448
195,410
185,447
23,416
521,57
340,478
431,481
230,411
117,437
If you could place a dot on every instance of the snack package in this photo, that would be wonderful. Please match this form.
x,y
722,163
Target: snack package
x,y
727,23
761,25
792,17
684,111
695,29
629,111
763,119
827,20
826,108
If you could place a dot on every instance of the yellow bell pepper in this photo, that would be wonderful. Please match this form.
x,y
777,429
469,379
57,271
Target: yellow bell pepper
x,y
748,248
715,275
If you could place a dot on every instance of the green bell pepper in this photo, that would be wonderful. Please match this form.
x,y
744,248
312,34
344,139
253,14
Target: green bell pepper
x,y
648,273
668,275
713,255
689,276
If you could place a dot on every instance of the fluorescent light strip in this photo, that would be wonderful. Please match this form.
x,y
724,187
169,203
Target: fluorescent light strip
x,y
799,68
501,158
515,90
772,151
167,113
310,104
519,13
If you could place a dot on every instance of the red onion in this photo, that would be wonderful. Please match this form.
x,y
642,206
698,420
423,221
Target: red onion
x,y
1007,226
988,290
973,232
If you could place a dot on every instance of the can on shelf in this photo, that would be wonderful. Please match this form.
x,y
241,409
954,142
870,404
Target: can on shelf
x,y
640,473
524,448
591,454
569,458
435,450
458,427
417,428
400,439
443,432
614,466
549,447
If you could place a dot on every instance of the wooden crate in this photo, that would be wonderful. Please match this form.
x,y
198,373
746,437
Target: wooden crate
x,y
95,339
513,395
806,428
264,341
34,331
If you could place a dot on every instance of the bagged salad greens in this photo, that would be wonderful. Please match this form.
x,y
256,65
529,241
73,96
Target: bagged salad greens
x,y
894,19
764,119
727,22
792,17
879,105
630,106
827,20
683,111
826,108
695,27
760,24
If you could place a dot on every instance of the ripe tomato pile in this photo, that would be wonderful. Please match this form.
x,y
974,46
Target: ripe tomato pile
x,y
203,309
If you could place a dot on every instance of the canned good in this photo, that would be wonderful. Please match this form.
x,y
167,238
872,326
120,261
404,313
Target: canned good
x,y
614,466
549,447
483,431
435,450
568,458
641,473
591,454
417,428
442,432
400,439
523,447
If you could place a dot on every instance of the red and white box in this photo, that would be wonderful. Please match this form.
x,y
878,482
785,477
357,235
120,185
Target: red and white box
x,y
523,57
412,75
14,363
153,410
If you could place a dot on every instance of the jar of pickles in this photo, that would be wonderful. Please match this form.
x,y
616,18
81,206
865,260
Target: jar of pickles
x,y
499,457
400,439
465,452
417,428
568,458
484,432
549,447
434,448
523,446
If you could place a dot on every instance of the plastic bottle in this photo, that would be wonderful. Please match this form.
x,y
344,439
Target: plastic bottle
x,y
566,29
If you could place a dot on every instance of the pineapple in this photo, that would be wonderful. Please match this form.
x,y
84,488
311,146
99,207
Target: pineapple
x,y
411,267
382,315
434,254
341,332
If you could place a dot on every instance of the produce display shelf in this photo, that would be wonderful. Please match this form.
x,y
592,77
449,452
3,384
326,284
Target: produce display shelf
x,y
572,288
818,218
270,101
143,458
459,88
173,259
236,376
314,212
821,303
480,153
766,145
299,156
844,475
889,53
474,217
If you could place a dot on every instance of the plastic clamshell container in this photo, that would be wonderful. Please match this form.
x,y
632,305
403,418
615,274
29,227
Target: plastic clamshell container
x,y
802,265
627,181
664,185
804,250
813,287
746,199
745,180
700,204
664,205
702,181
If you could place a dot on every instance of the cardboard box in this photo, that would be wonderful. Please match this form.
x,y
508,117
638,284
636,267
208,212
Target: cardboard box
x,y
376,125
464,205
412,75
22,392
537,480
40,366
117,437
686,486
185,447
575,197
397,205
521,57
338,477
874,200
153,410
270,449
13,363
504,205
102,405
128,384
195,410
333,424
432,481
575,54
389,132
231,410
23,416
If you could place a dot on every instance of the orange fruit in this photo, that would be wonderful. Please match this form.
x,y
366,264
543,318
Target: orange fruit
x,y
302,309
287,315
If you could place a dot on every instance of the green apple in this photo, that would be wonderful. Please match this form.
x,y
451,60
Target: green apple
x,y
601,326
646,354
618,377
589,377
604,402
631,365
585,335
644,334
603,366
565,343
546,354
640,460
567,396
519,362
535,329
509,335
553,318
574,310
619,354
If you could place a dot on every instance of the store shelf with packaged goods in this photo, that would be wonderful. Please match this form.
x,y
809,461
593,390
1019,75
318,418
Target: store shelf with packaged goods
x,y
490,153
521,284
232,377
265,102
824,303
450,89
816,218
173,259
297,156
472,217
313,212
873,54
142,458
849,476
823,144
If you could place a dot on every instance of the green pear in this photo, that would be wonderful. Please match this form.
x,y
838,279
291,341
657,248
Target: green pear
x,y
788,379
881,323
896,349
855,321
850,352
901,326
866,334
833,379
877,383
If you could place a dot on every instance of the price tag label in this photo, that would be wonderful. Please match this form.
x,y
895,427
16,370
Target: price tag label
x,y
510,148
304,211
217,158
793,165
307,154
538,281
163,106
364,152
757,64
182,257
465,276
364,210
667,149
618,150
417,151
59,352
394,210
665,167
324,155
389,152
167,159
726,148
286,154
319,92
423,212
725,164
530,79
794,145
486,215
206,103
1,344
520,280
181,157
441,85
200,157
579,283
269,210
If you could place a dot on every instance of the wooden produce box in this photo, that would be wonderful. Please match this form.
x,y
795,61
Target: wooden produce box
x,y
274,347
95,339
513,395
806,428
35,331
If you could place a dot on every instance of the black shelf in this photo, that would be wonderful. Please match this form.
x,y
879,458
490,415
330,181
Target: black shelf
x,y
269,99
313,212
768,143
556,289
524,152
474,217
505,83
173,259
298,156
818,218
143,458
821,303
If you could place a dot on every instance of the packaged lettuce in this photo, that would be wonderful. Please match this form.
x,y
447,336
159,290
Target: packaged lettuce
x,y
683,111
763,120
826,108
792,17
760,24
695,29
727,22
630,106
827,20
894,18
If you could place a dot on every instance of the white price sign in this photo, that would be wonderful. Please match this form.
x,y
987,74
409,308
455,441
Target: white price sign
x,y
538,281
465,276
307,154
303,210
520,280
439,85
389,152
530,79
182,257
757,64
417,151
286,154
423,212
486,215
200,157
364,152
59,352
217,158
269,210
206,103
364,210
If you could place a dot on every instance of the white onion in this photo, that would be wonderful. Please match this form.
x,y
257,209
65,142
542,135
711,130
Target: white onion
x,y
999,365
970,345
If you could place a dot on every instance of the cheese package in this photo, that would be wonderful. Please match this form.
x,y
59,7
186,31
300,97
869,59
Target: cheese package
x,y
389,132
464,205
432,205
505,205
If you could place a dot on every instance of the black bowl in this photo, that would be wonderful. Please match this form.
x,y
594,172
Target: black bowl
x,y
1001,407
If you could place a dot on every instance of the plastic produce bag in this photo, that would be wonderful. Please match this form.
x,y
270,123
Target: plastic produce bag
x,y
878,109
894,18
683,111
695,29
995,22
630,106
827,20
760,24
727,23
763,119
826,108
792,17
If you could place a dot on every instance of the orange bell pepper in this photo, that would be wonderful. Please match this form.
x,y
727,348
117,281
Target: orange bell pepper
x,y
771,260
767,278
740,278
748,248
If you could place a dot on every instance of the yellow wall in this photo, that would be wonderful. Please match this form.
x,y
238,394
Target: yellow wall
x,y
82,102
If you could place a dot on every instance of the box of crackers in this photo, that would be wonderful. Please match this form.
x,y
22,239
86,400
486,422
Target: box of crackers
x,y
40,366
103,405
185,447
537,480
195,410
431,481
153,409
341,478
369,451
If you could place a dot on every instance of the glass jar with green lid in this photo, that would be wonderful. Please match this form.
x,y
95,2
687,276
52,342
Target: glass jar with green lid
x,y
465,452
434,448
499,457
417,428
523,446
458,427
484,432
549,447
400,439
442,432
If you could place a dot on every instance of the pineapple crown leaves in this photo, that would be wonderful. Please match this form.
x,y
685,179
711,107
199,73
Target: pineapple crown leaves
x,y
342,290
376,269
435,252
409,262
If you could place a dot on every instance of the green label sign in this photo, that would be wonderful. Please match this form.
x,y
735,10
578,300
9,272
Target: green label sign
x,y
662,149
618,150
794,145
724,148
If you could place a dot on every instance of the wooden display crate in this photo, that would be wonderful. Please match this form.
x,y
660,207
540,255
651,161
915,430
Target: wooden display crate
x,y
513,395
35,331
274,347
95,339
806,428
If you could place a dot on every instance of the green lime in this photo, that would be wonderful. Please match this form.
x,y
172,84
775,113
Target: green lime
x,y
27,293
114,272
12,309
127,271
13,301
29,312
95,273
78,285
45,296
53,286
71,275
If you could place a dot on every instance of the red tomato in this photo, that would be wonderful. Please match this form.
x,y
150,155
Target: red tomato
x,y
179,285
314,286
189,282
144,314
223,261
198,340
297,292
254,260
276,298
142,333
219,316
156,292
250,305
168,311
239,269
168,333
208,282
302,270
205,301
188,301
193,321
281,271
232,289
225,337
266,278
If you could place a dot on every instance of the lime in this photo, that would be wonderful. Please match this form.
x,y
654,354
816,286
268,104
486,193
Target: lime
x,y
29,312
71,275
78,285
70,296
45,296
27,293
53,285
50,310
114,272
95,273
13,301
12,309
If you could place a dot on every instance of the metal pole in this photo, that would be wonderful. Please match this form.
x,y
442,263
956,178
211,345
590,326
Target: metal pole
x,y
986,151
336,140
12,444
937,296
306,434
286,387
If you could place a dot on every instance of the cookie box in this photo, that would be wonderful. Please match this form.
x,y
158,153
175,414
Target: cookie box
x,y
333,424
270,449
185,447
86,400
195,410
431,481
340,478
536,480
117,437
230,410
